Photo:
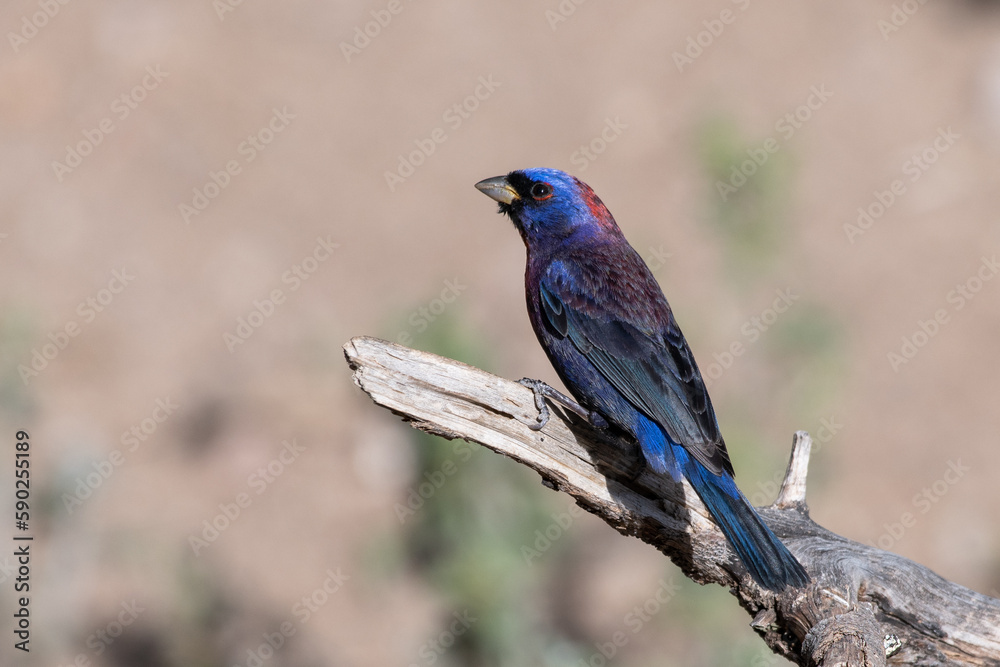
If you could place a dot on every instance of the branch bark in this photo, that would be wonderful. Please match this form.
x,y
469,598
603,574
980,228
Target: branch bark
x,y
864,606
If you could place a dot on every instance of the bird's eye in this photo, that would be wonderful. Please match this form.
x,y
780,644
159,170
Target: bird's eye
x,y
541,191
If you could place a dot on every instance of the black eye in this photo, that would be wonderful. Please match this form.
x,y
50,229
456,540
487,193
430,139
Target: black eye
x,y
541,191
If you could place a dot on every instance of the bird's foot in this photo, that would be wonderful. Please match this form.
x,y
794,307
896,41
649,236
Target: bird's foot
x,y
543,410
543,391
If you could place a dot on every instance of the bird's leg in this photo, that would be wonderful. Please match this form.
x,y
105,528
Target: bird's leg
x,y
543,391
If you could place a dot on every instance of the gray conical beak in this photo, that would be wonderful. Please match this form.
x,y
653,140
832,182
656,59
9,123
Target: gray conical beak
x,y
498,189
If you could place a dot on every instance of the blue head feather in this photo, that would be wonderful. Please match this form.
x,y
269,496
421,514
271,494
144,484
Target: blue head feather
x,y
553,205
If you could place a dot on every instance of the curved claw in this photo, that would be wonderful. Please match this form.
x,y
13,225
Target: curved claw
x,y
543,419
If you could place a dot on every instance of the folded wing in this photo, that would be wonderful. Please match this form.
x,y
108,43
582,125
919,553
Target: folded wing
x,y
642,354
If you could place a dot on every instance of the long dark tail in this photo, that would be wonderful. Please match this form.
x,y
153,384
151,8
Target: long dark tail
x,y
769,562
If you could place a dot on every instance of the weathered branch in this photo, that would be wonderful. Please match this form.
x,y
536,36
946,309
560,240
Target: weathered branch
x,y
864,606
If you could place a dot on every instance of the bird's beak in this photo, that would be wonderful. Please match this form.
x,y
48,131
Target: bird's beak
x,y
498,189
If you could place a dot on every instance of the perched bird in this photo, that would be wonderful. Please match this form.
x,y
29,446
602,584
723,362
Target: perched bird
x,y
612,338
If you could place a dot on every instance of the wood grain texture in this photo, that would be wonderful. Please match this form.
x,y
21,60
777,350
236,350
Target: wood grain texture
x,y
862,604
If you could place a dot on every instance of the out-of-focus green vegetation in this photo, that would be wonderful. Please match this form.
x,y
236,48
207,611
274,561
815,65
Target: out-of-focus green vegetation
x,y
746,197
474,537
748,212
16,334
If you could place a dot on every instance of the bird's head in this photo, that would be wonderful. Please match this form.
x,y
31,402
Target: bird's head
x,y
548,205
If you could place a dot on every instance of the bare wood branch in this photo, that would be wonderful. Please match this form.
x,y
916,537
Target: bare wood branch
x,y
864,606
793,489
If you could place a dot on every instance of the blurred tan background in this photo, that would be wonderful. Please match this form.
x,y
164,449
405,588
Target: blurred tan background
x,y
197,215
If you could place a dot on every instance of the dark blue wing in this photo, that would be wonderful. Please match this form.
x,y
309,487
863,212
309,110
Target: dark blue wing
x,y
632,339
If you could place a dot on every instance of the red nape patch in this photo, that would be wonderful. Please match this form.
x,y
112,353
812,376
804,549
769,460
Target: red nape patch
x,y
597,208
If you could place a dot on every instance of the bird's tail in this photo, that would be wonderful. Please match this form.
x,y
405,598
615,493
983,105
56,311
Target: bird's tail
x,y
769,562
